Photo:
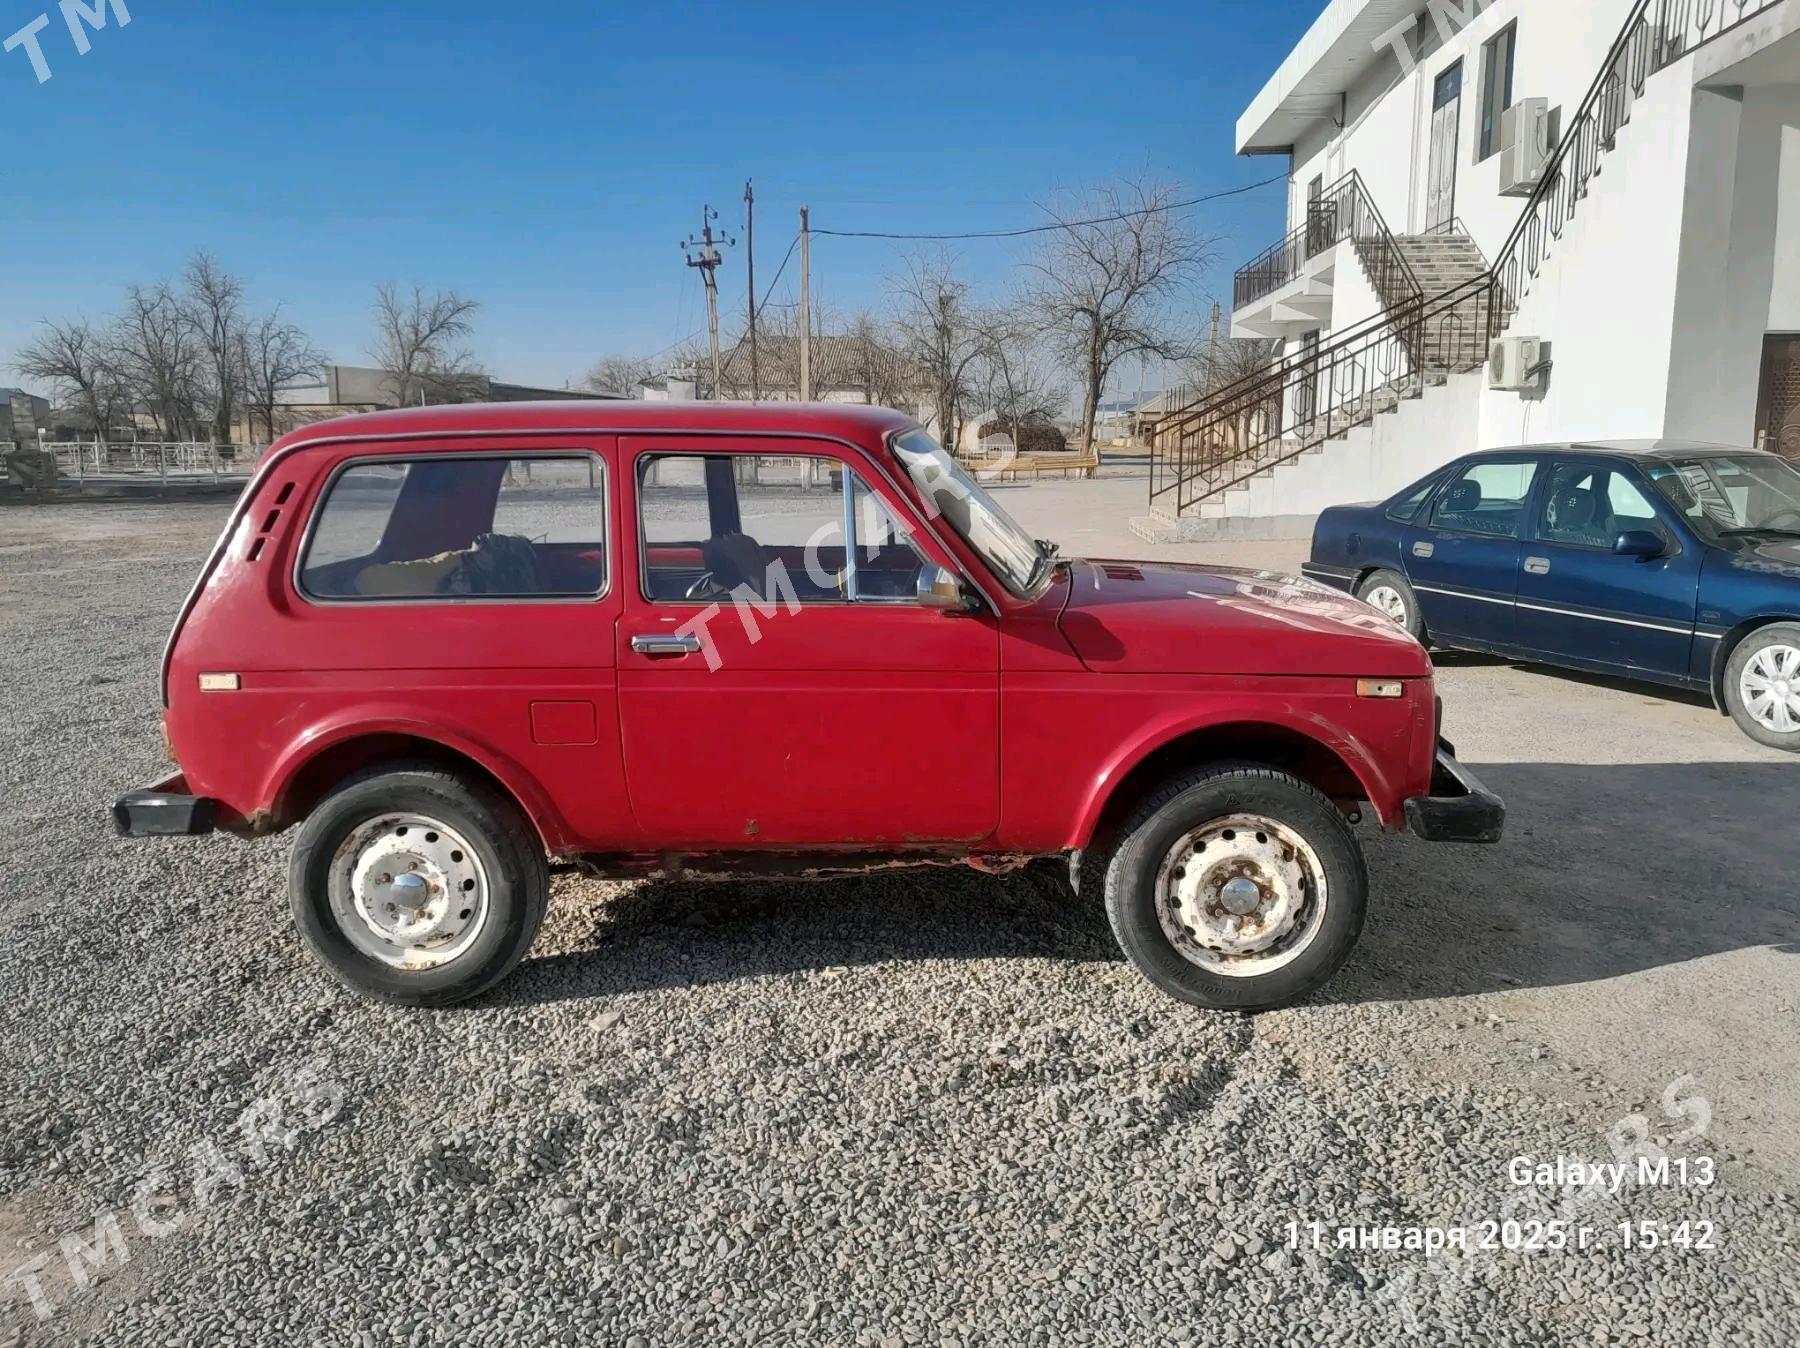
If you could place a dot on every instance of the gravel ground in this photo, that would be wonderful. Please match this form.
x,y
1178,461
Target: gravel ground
x,y
929,1109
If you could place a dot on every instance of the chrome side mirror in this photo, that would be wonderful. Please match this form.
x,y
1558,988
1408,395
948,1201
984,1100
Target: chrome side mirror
x,y
940,589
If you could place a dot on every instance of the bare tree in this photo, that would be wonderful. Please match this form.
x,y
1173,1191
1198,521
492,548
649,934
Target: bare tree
x,y
1235,363
620,374
212,304
1112,283
936,327
1010,376
418,340
274,354
152,346
76,362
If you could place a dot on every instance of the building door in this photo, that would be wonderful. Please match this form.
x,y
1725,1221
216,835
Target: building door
x,y
1318,230
1778,398
1440,183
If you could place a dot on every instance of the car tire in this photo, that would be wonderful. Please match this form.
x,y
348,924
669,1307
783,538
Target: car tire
x,y
413,885
1307,888
1762,686
1388,592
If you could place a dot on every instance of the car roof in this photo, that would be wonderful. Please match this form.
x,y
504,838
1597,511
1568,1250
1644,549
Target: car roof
x,y
1642,451
841,421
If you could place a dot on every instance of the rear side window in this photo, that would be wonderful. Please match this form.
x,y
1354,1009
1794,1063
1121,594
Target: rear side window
x,y
1486,498
1406,505
461,527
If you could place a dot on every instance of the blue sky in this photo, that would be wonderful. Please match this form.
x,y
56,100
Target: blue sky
x,y
547,157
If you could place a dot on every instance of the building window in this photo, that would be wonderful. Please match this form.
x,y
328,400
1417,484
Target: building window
x,y
460,527
1496,84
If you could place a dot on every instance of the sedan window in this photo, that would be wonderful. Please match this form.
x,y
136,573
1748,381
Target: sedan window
x,y
1589,506
1486,498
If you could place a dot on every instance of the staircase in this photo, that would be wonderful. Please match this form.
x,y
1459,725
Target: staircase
x,y
1442,302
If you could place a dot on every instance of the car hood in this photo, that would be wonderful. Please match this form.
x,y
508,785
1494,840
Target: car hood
x,y
1774,557
1168,618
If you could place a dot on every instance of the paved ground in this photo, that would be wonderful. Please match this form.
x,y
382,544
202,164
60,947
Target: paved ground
x,y
919,1110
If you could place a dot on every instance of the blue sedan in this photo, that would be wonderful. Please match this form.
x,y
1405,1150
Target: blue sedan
x,y
1672,562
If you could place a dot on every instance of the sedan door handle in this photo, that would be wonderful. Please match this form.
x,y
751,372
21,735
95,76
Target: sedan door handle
x,y
659,644
1537,566
1423,549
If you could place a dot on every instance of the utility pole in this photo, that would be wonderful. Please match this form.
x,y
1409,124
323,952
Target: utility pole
x,y
750,274
708,262
805,308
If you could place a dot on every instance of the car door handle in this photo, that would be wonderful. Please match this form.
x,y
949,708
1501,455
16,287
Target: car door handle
x,y
660,644
1423,549
1537,566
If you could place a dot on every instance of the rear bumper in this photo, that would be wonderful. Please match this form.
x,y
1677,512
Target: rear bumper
x,y
1459,808
1337,577
163,810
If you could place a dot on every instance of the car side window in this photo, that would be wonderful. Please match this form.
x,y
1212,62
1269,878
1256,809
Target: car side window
x,y
446,527
772,526
1407,506
1589,506
1486,498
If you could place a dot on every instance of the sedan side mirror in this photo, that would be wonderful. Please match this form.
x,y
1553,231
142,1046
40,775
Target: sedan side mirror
x,y
1643,544
941,589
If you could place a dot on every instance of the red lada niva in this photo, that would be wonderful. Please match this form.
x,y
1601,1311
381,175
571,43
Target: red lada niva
x,y
454,645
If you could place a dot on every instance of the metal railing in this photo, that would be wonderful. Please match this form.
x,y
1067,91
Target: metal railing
x,y
82,459
1345,211
1302,401
1312,395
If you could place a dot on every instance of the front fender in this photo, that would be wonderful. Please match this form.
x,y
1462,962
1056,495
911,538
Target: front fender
x,y
1383,756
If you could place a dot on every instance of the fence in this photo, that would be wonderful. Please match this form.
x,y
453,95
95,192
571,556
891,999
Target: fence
x,y
186,460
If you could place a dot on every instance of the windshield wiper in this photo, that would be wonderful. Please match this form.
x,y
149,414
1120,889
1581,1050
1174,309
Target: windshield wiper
x,y
1760,529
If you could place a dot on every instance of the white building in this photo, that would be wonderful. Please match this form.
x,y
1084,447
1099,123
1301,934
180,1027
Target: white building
x,y
1618,179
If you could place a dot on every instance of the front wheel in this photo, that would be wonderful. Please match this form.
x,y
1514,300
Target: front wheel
x,y
1238,887
413,885
1762,686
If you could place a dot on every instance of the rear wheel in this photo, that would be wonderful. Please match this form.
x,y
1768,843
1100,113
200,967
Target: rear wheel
x,y
1238,888
413,885
1388,592
1762,686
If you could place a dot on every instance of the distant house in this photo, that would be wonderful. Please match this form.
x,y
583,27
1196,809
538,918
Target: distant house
x,y
338,390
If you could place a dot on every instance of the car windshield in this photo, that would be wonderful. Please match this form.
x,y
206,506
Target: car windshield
x,y
1728,496
1009,551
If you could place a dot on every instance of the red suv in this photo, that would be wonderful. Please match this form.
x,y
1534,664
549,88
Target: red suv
x,y
456,644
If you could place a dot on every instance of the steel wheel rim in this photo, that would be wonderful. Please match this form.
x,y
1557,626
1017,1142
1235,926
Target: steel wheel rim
x,y
409,890
1770,688
1386,599
1242,895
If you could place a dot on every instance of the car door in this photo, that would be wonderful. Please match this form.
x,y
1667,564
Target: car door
x,y
1462,556
1580,602
779,689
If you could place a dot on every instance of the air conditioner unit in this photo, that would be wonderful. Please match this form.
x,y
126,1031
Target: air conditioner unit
x,y
1524,146
1513,363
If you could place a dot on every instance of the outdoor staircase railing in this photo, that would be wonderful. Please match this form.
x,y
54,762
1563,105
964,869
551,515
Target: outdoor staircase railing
x,y
1344,211
1231,434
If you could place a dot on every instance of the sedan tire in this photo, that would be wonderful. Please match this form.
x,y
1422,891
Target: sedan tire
x,y
1388,592
1762,686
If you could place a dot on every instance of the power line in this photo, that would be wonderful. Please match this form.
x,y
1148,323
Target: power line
x,y
785,257
1061,224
